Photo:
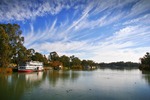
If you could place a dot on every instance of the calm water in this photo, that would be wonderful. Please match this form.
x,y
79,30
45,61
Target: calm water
x,y
100,84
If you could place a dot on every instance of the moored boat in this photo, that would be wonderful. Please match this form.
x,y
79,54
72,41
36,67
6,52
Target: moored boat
x,y
31,66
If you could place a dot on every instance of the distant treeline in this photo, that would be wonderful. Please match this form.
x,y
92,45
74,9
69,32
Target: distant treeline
x,y
119,65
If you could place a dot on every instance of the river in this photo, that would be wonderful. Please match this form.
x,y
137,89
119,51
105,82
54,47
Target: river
x,y
101,84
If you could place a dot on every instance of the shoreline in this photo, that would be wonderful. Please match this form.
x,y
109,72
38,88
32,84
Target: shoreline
x,y
11,70
6,70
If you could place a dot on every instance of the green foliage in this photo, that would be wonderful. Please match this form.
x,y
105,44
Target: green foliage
x,y
146,59
65,60
71,62
12,48
4,48
39,57
145,62
15,38
53,56
21,55
14,42
75,62
88,63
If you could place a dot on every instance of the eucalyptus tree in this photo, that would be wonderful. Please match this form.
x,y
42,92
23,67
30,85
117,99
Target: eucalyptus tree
x,y
75,62
65,60
4,48
15,40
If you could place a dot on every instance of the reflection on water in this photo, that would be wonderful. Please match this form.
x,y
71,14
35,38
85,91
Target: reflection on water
x,y
55,76
146,76
81,85
13,86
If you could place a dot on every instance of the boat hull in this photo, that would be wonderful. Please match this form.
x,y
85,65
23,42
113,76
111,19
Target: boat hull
x,y
29,70
25,70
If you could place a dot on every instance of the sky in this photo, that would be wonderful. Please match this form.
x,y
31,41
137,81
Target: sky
x,y
98,30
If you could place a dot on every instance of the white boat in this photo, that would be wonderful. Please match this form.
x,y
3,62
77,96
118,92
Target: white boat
x,y
31,66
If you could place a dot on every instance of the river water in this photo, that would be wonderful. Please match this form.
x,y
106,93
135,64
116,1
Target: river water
x,y
101,84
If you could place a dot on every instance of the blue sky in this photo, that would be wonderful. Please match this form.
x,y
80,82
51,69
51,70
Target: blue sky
x,y
99,30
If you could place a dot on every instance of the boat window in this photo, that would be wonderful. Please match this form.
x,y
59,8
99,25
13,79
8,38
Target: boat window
x,y
22,64
21,67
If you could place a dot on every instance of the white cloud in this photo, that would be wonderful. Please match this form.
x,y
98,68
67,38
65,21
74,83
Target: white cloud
x,y
124,45
22,10
145,19
60,47
113,55
140,7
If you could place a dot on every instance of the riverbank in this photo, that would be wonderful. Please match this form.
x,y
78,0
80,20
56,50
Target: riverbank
x,y
6,70
10,70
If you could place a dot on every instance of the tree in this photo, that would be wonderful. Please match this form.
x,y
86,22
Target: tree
x,y
75,62
90,62
15,40
12,48
39,57
45,60
4,48
146,59
30,53
65,60
22,55
145,62
84,63
53,56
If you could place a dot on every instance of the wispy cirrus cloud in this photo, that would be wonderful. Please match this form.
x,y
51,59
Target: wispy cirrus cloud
x,y
124,44
141,6
140,20
22,10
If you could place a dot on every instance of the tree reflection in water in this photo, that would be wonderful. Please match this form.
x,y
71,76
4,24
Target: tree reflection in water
x,y
15,85
98,84
55,76
146,76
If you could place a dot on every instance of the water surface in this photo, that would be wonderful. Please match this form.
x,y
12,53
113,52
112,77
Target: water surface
x,y
104,84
